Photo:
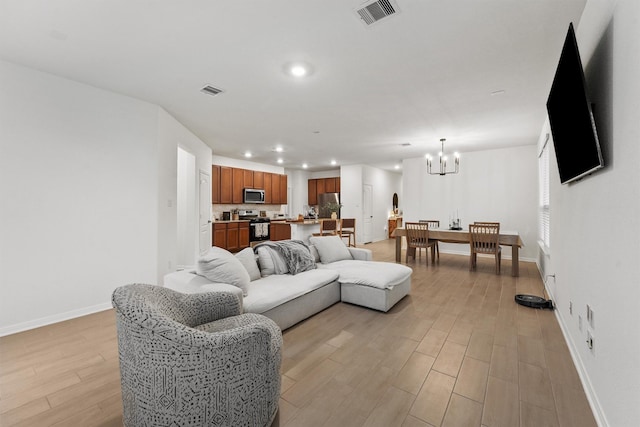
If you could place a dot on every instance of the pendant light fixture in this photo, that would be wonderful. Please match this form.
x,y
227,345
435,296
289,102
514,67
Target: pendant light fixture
x,y
443,162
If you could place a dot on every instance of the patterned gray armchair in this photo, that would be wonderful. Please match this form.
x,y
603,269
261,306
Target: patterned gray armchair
x,y
194,360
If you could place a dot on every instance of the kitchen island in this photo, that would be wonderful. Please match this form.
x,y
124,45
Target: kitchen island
x,y
302,230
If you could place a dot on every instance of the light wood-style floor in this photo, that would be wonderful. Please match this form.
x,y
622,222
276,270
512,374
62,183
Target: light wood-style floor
x,y
456,352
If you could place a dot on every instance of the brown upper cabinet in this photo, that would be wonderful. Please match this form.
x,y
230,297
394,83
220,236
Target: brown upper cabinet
x,y
258,180
215,184
227,185
330,185
312,191
238,185
267,187
320,186
275,188
283,189
248,179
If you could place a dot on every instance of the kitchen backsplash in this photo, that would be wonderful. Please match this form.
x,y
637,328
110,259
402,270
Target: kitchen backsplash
x,y
271,210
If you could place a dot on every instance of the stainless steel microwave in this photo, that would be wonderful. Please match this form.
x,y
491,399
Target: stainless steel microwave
x,y
253,195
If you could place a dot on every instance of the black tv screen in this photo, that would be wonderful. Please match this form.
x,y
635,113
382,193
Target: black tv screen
x,y
574,131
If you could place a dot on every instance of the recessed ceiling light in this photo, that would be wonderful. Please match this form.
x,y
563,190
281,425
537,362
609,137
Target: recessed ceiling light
x,y
396,167
304,165
298,69
279,149
333,162
247,154
280,161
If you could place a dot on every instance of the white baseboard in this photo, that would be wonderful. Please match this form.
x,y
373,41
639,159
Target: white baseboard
x,y
594,403
43,321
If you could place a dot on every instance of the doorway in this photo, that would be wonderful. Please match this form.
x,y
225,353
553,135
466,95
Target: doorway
x,y
367,213
186,214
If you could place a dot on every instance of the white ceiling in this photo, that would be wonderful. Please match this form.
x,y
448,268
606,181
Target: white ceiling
x,y
425,73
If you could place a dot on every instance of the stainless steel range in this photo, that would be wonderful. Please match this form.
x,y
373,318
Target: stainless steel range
x,y
258,226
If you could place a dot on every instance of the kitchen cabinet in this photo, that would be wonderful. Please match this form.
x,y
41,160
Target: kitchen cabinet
x,y
329,185
232,236
248,178
283,189
319,186
243,235
226,184
258,180
275,188
279,231
215,184
312,191
238,185
220,235
267,188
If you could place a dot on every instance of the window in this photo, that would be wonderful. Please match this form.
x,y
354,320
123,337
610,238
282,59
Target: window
x,y
543,204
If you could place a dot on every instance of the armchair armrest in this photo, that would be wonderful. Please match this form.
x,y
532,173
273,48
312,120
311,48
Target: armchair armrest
x,y
198,309
361,254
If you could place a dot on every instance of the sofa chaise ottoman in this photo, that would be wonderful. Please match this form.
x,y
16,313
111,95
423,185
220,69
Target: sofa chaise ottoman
x,y
373,284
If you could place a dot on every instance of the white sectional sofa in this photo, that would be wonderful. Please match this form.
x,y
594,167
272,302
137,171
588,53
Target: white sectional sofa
x,y
333,273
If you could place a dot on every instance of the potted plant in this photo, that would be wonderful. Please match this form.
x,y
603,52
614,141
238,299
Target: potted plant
x,y
334,208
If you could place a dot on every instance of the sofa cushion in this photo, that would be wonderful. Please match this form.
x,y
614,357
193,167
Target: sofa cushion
x,y
376,274
248,259
275,290
331,248
219,265
271,261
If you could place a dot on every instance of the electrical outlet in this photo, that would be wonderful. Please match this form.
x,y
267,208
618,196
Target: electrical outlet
x,y
571,308
590,315
590,340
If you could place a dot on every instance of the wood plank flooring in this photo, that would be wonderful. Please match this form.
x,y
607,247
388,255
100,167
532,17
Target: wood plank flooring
x,y
456,352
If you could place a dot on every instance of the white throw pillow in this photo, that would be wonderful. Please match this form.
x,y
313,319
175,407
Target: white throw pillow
x,y
331,248
314,253
271,261
220,266
248,259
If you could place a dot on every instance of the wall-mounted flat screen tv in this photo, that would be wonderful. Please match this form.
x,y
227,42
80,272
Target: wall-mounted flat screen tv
x,y
575,139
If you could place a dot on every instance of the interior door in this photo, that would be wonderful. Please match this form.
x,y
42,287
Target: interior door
x,y
367,213
205,212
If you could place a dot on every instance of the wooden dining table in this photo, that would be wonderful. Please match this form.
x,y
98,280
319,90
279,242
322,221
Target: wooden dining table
x,y
506,238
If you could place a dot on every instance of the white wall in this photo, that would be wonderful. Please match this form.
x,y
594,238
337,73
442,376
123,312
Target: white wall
x,y
85,179
246,164
79,196
493,185
297,180
595,223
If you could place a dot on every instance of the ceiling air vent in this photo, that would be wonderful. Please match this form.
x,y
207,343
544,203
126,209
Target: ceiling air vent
x,y
210,90
377,10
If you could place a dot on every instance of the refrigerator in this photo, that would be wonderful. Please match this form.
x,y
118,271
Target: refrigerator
x,y
323,200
